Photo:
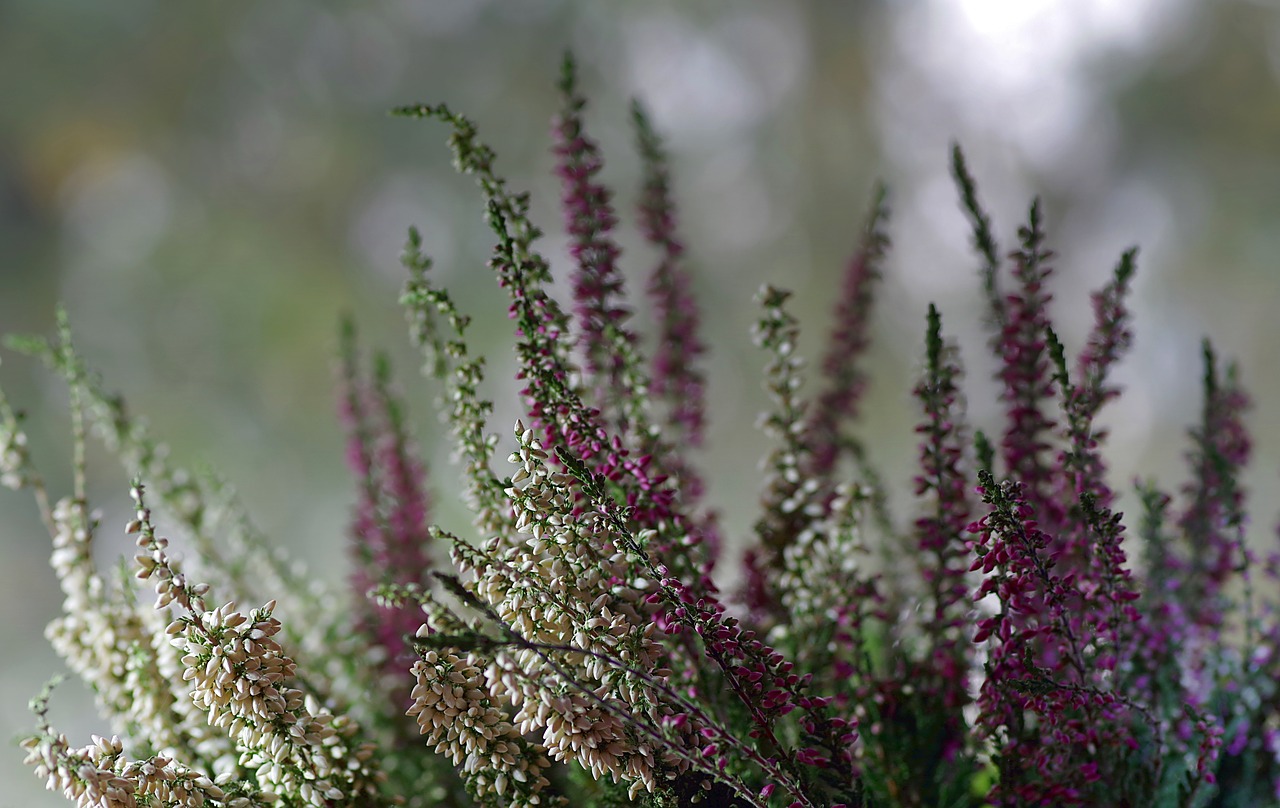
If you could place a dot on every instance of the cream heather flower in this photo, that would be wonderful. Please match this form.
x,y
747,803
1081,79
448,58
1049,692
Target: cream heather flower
x,y
463,720
240,675
561,586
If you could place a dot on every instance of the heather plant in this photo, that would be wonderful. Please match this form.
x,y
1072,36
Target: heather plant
x,y
572,647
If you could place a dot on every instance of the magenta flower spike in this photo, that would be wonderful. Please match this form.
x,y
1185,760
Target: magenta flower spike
x,y
941,537
676,374
606,342
1024,372
389,523
1213,520
844,380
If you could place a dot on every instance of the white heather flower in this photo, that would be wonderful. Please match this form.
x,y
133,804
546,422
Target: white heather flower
x,y
99,775
241,677
462,720
13,457
562,582
825,562
232,553
117,647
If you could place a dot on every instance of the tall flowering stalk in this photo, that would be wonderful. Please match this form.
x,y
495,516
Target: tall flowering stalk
x,y
613,363
1214,517
1022,347
599,301
576,650
982,238
810,435
788,491
917,750
845,381
941,530
438,328
675,374
389,526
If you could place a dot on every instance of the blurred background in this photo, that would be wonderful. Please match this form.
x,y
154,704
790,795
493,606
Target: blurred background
x,y
209,187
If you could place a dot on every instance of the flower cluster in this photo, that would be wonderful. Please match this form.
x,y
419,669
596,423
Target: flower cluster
x,y
459,719
99,775
576,651
239,674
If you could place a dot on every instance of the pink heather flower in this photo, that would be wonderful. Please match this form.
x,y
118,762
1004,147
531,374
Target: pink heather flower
x,y
1088,539
941,533
1110,338
1213,521
837,405
1024,372
597,284
676,375
1044,658
389,527
1081,461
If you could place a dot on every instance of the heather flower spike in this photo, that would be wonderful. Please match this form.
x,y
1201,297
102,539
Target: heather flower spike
x,y
611,361
1213,520
940,530
1081,401
844,381
389,527
430,311
675,376
984,240
1021,347
575,651
811,436
788,491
